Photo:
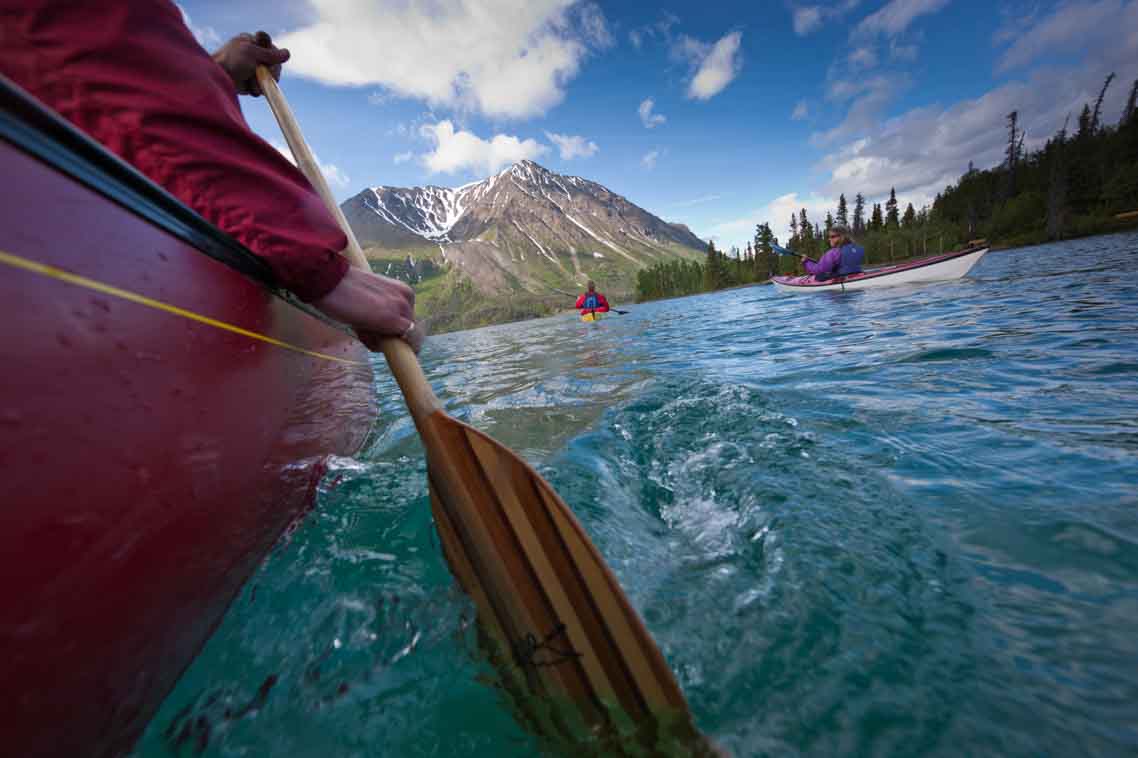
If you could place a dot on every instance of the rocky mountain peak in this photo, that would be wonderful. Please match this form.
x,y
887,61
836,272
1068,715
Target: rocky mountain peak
x,y
525,226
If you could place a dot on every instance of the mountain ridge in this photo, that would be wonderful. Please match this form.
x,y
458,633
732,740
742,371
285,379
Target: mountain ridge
x,y
523,232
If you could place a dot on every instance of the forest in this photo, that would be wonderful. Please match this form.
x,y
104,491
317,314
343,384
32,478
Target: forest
x,y
1077,183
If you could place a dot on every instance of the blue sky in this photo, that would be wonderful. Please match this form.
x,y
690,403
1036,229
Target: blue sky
x,y
715,114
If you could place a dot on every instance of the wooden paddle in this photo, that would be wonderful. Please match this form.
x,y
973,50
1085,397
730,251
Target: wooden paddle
x,y
572,650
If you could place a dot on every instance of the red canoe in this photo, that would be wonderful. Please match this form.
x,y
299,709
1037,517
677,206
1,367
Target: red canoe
x,y
165,415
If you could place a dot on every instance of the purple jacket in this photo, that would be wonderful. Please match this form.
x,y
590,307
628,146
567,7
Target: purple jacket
x,y
838,261
827,264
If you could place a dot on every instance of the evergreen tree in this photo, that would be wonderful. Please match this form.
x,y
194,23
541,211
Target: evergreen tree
x,y
1011,153
875,222
1084,124
909,220
1131,105
805,233
1098,103
764,257
709,266
1057,186
891,218
859,214
829,226
713,268
842,216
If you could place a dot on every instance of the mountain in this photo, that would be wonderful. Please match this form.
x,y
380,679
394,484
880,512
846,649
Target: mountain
x,y
524,232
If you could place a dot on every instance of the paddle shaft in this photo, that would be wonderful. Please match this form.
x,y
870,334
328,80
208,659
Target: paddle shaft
x,y
421,400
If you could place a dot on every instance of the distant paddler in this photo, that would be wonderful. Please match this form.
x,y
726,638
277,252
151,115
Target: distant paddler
x,y
592,302
842,259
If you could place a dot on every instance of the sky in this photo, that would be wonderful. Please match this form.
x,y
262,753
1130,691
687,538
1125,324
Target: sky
x,y
719,115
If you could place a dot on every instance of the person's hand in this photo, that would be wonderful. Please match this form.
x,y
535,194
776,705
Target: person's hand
x,y
241,55
375,306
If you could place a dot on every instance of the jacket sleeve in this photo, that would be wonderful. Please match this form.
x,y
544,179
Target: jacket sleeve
x,y
826,264
131,75
580,302
602,303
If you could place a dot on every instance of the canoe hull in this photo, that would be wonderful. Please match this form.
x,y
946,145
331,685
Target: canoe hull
x,y
151,457
933,269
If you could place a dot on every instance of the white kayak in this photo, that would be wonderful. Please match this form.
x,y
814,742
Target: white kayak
x,y
936,268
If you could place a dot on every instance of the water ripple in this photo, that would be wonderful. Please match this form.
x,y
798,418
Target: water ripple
x,y
895,522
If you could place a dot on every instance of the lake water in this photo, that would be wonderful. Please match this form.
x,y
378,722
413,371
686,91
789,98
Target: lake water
x,y
894,522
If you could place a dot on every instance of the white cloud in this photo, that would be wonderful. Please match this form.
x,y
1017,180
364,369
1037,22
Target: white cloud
x,y
595,27
403,157
777,213
807,19
896,16
572,147
504,58
718,64
801,111
647,117
927,148
1109,27
662,28
463,150
206,36
869,99
649,160
695,201
862,57
906,53
333,174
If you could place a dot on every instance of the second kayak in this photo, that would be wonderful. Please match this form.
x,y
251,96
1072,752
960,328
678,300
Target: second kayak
x,y
932,269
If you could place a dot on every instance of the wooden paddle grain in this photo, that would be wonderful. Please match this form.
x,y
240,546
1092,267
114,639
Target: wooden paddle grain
x,y
565,632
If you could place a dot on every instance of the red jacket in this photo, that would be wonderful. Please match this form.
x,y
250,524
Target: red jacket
x,y
130,74
602,304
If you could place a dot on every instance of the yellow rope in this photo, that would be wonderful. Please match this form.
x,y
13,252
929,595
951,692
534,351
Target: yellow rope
x,y
81,281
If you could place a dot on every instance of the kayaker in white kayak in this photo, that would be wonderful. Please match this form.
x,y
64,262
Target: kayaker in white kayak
x,y
842,259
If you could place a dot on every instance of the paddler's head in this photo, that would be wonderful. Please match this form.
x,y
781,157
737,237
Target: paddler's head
x,y
592,286
839,235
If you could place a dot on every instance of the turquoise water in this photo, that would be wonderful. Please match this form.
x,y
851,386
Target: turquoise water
x,y
896,522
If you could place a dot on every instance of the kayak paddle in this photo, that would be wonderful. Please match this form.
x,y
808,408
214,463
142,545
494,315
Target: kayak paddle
x,y
572,651
791,253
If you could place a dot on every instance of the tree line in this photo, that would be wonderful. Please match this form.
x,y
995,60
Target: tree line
x,y
1074,185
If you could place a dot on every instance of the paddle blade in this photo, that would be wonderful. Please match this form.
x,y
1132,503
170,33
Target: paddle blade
x,y
567,639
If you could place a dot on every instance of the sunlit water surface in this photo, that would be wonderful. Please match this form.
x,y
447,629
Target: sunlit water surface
x,y
895,522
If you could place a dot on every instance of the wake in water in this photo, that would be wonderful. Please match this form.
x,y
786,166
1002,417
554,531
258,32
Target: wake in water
x,y
894,523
